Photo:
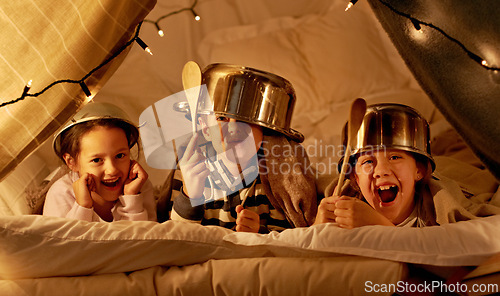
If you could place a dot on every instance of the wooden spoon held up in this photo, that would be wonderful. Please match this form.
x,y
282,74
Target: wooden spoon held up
x,y
356,115
191,81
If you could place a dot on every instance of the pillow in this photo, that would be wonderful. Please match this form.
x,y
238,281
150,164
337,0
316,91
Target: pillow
x,y
466,243
53,249
37,246
14,199
40,246
330,59
262,276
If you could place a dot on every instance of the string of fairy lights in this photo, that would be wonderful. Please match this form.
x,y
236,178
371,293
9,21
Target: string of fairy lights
x,y
418,26
81,82
416,23
156,23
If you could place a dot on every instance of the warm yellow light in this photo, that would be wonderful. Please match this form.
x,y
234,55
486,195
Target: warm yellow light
x,y
90,98
196,16
143,45
350,4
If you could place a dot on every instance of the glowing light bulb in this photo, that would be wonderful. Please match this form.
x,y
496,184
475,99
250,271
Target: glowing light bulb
x,y
26,88
143,45
160,31
416,24
350,4
196,17
90,99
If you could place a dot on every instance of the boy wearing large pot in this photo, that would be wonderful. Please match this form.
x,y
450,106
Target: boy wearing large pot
x,y
252,174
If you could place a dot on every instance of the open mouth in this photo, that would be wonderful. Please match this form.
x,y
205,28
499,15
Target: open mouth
x,y
111,184
388,193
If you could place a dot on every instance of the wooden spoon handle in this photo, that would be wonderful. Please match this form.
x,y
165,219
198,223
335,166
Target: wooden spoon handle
x,y
191,81
356,115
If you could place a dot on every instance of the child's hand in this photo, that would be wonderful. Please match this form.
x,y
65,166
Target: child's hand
x,y
247,220
137,176
194,170
326,210
83,188
352,212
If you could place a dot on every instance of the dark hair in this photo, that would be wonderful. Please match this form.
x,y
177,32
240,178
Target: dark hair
x,y
70,139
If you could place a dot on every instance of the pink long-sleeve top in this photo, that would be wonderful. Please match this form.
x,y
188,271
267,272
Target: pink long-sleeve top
x,y
61,202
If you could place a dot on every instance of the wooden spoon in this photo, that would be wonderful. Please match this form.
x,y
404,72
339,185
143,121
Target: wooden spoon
x,y
191,81
356,115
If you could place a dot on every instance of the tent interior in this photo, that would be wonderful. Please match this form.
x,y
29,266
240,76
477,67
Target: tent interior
x,y
439,58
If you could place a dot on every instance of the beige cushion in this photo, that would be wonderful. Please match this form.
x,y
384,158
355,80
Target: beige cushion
x,y
39,246
345,275
466,243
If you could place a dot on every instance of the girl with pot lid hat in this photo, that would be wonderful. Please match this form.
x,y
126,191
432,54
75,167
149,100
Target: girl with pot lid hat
x,y
390,181
242,178
103,184
389,168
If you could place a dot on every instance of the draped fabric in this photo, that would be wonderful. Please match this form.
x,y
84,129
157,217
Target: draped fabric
x,y
52,42
466,93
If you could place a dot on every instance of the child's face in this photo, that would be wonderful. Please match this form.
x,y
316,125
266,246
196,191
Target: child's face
x,y
105,154
236,141
387,181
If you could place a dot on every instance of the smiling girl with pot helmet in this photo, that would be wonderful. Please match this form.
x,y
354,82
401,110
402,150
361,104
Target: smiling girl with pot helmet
x,y
104,184
389,167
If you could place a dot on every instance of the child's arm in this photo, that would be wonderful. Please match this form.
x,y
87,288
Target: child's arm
x,y
83,188
186,209
194,170
351,212
136,178
326,210
247,220
137,203
60,201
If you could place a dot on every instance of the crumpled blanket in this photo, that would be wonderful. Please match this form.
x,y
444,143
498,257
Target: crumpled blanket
x,y
462,192
288,179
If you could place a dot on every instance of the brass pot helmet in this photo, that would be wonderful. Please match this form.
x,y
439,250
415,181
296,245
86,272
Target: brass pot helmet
x,y
248,95
390,126
94,111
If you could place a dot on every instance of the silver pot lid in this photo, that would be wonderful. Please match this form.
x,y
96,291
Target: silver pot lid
x,y
248,95
392,126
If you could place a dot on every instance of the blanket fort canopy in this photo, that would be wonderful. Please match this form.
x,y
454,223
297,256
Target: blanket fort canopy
x,y
48,41
453,50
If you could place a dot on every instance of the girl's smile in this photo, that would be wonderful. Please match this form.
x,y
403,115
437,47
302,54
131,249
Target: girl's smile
x,y
104,153
387,181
